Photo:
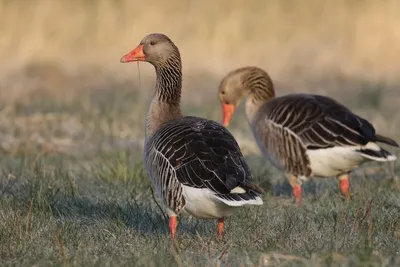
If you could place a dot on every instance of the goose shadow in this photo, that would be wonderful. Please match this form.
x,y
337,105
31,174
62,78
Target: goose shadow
x,y
142,217
90,206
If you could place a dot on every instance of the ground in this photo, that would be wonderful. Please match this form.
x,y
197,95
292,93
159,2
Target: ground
x,y
73,192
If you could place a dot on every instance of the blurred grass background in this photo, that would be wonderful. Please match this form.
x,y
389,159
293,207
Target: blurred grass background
x,y
72,117
349,50
347,37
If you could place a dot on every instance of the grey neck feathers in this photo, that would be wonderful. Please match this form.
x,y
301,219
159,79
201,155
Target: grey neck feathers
x,y
166,102
260,90
259,85
169,81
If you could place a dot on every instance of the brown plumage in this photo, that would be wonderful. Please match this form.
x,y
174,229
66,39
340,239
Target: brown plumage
x,y
195,164
302,134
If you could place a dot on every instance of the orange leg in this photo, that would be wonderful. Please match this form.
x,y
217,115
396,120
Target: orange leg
x,y
295,183
173,223
344,185
220,228
297,193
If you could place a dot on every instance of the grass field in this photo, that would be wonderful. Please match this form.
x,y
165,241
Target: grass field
x,y
73,191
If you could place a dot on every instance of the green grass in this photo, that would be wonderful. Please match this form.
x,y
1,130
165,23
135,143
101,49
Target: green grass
x,y
73,192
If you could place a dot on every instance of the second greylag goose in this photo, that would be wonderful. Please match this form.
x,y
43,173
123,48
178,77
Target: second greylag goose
x,y
195,164
302,134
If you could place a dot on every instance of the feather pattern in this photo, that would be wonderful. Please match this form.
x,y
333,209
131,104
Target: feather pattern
x,y
319,121
289,126
283,147
198,153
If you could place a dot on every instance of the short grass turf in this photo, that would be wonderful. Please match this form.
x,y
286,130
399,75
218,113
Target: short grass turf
x,y
73,192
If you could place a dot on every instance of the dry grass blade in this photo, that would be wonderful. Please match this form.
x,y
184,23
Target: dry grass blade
x,y
28,217
17,225
158,205
270,259
176,253
60,245
224,252
139,77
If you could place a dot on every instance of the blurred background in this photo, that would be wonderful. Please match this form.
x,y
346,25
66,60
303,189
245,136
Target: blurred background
x,y
60,59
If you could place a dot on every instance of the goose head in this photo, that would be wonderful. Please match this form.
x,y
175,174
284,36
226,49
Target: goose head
x,y
155,48
251,81
230,93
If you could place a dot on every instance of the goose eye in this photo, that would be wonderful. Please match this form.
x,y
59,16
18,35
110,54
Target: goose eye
x,y
152,43
222,92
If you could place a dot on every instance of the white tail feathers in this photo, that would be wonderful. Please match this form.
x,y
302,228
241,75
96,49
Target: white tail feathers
x,y
238,190
237,203
373,152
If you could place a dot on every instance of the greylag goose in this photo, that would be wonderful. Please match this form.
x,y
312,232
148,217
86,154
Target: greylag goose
x,y
302,134
195,164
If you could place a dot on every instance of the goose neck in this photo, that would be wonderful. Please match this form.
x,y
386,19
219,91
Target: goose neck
x,y
169,82
259,91
165,105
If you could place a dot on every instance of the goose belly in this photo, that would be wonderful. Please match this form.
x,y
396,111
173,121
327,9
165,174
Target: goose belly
x,y
334,161
202,203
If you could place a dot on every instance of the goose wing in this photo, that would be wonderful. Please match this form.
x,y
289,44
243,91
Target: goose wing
x,y
293,124
199,153
321,122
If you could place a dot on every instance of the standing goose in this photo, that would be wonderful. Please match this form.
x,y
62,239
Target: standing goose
x,y
195,164
302,134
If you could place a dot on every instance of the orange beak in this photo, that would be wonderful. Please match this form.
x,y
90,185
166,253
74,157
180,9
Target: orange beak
x,y
136,55
227,111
